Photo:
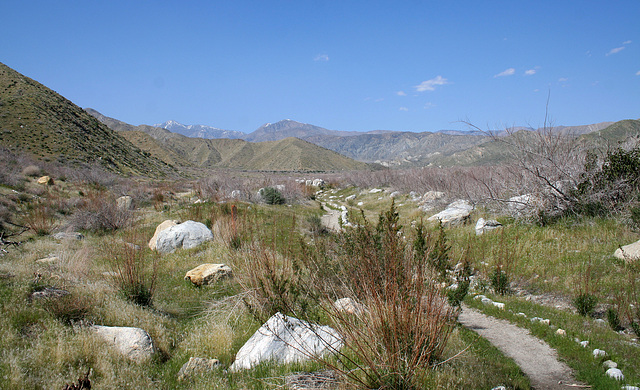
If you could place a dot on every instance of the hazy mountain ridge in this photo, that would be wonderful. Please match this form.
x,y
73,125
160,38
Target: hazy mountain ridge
x,y
200,131
289,154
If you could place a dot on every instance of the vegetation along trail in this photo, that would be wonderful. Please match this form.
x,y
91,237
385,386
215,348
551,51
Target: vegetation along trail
x,y
535,358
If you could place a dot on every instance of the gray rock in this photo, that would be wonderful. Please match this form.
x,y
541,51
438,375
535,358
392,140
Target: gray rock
x,y
285,339
124,202
484,225
49,292
455,214
134,343
523,204
610,364
196,366
206,274
61,236
186,235
629,252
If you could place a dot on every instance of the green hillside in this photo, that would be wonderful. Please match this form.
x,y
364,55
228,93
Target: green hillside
x,y
38,121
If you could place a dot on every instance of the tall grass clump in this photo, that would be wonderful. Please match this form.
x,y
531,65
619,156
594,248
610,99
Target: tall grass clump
x,y
403,320
134,271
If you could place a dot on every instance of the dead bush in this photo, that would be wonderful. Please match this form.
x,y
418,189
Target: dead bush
x,y
100,213
31,170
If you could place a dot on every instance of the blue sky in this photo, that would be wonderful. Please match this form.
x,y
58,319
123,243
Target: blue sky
x,y
342,65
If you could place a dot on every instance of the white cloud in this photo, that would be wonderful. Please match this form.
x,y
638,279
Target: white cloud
x,y
530,72
403,109
626,42
429,105
430,85
321,57
638,73
506,72
615,50
401,93
563,80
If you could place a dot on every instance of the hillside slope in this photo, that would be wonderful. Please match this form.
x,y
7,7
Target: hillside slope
x,y
38,121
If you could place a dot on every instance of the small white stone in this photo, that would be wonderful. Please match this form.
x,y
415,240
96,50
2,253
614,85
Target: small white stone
x,y
487,301
610,364
584,343
598,352
499,305
521,314
615,373
545,322
561,332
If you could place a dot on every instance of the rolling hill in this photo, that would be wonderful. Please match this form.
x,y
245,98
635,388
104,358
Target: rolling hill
x,y
38,121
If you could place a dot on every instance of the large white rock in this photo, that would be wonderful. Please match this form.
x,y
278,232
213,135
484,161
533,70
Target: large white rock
x,y
135,343
285,339
455,214
163,226
186,235
629,252
205,274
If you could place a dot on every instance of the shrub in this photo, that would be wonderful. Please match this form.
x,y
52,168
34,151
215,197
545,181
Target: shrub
x,y
585,303
613,319
133,271
31,170
40,217
500,281
271,195
100,213
406,321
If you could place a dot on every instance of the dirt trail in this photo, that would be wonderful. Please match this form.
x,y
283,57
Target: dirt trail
x,y
536,359
332,219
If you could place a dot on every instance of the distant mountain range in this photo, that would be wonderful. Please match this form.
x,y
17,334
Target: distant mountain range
x,y
389,148
200,131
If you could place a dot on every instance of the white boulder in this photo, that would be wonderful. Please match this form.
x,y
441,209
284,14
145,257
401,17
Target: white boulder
x,y
598,353
285,339
455,214
135,343
163,226
610,364
615,373
629,252
186,235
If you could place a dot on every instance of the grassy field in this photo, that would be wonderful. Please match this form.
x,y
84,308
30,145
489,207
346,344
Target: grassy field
x,y
48,343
